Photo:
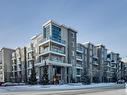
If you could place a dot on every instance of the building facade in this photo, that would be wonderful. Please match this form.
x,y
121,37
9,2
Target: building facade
x,y
121,70
56,46
5,64
92,62
67,60
1,69
125,72
111,67
102,57
19,68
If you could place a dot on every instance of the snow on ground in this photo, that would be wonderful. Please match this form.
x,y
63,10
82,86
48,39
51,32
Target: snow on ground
x,y
65,86
53,87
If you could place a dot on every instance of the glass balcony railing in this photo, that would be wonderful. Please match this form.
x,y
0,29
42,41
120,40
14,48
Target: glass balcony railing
x,y
78,65
95,63
53,49
54,60
57,50
45,50
54,39
79,49
78,57
30,49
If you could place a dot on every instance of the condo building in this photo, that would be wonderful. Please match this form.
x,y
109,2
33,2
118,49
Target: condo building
x,y
56,46
5,64
67,61
58,49
125,71
102,57
92,62
1,68
19,68
81,60
111,67
121,71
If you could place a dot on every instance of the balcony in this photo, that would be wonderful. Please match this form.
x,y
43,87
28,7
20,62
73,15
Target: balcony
x,y
109,65
78,66
79,58
113,67
30,50
95,63
95,57
30,59
79,50
52,50
13,56
43,41
52,61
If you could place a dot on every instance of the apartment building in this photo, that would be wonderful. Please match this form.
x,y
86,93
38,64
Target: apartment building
x,y
19,68
113,60
125,72
102,57
121,70
67,60
81,53
56,46
30,57
5,64
81,64
1,69
92,62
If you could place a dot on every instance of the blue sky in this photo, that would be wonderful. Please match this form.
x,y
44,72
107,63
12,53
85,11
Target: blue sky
x,y
97,21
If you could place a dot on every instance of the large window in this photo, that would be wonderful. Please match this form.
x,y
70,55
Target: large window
x,y
46,31
0,67
78,72
56,32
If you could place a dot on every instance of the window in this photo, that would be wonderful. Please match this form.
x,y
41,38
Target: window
x,y
0,67
56,33
73,53
108,56
73,34
46,31
1,78
91,53
1,72
78,71
73,44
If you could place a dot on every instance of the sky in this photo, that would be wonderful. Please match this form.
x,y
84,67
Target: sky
x,y
97,21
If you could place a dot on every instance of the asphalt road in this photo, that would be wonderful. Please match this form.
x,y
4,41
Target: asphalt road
x,y
73,92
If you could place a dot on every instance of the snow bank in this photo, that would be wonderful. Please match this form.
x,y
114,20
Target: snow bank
x,y
58,87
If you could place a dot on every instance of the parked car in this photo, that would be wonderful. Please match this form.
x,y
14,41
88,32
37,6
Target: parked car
x,y
1,83
9,84
121,82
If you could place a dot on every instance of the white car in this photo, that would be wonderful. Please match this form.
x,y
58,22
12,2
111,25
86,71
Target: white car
x,y
121,81
9,84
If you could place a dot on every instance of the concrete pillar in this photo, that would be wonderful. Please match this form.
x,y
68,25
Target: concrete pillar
x,y
64,74
91,73
50,73
70,75
39,73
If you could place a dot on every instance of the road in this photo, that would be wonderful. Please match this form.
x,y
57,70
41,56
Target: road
x,y
72,92
92,91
